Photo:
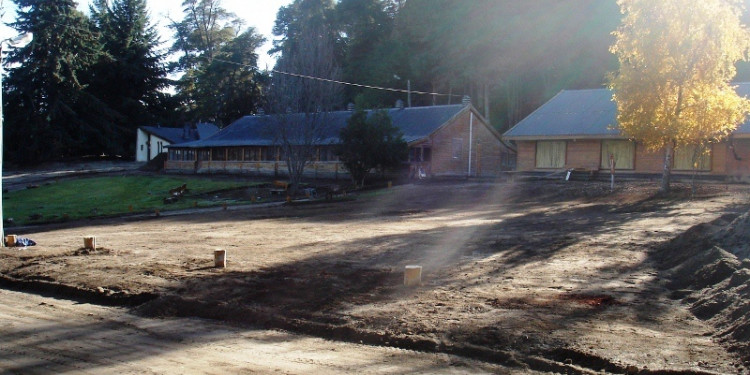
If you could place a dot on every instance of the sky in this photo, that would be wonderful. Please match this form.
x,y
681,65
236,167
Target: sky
x,y
260,14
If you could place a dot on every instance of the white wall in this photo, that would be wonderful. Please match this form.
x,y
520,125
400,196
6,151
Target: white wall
x,y
142,150
141,147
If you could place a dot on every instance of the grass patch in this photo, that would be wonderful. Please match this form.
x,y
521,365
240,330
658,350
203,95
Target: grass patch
x,y
106,196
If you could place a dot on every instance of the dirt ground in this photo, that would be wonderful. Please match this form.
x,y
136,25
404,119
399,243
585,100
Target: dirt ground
x,y
54,336
542,275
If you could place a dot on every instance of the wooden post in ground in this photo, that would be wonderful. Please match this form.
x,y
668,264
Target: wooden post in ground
x,y
89,242
220,258
413,275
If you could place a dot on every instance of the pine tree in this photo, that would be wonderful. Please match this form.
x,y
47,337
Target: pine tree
x,y
130,73
51,115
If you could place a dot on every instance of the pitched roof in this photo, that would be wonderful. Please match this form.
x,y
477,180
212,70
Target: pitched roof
x,y
582,114
206,130
184,134
415,123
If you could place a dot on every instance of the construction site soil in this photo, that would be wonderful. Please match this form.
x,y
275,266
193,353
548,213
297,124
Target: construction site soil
x,y
543,275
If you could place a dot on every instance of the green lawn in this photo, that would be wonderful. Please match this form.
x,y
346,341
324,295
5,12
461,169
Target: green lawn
x,y
102,196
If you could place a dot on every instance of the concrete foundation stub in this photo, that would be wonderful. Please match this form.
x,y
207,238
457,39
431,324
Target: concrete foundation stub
x,y
220,258
413,275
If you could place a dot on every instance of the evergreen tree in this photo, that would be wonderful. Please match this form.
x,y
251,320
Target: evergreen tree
x,y
129,75
211,89
230,86
50,114
370,142
365,28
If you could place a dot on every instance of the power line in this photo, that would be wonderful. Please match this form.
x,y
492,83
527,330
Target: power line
x,y
342,82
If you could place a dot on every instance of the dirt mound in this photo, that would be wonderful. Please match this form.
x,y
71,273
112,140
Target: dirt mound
x,y
735,237
715,280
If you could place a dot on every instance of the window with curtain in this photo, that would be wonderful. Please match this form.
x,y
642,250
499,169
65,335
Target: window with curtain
x,y
550,154
685,158
624,152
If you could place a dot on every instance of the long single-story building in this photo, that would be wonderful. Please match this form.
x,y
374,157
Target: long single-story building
x,y
153,140
448,140
577,129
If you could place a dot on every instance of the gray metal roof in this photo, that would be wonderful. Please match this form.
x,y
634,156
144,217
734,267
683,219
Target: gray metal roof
x,y
415,123
583,114
184,134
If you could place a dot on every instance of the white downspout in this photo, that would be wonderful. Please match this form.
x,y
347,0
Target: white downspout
x,y
471,136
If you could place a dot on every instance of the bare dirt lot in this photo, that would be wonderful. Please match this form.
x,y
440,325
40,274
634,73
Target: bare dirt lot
x,y
550,276
54,336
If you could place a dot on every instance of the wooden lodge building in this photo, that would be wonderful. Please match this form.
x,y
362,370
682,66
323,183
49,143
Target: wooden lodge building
x,y
444,141
153,140
577,129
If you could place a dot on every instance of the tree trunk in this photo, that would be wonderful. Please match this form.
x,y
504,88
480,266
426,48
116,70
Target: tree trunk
x,y
667,174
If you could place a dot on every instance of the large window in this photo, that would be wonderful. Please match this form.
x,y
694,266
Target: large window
x,y
234,154
550,154
218,154
204,155
687,157
250,154
623,151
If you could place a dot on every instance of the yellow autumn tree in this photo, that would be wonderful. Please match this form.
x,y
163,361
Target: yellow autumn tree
x,y
677,60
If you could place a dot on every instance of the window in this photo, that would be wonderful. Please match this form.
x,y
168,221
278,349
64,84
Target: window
x,y
234,154
420,154
458,144
323,153
269,153
624,152
218,154
249,154
204,155
687,157
550,154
